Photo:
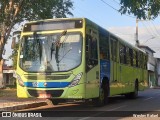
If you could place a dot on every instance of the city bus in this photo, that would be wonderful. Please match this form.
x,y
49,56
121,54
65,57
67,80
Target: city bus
x,y
76,59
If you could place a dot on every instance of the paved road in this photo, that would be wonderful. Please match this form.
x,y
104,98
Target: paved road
x,y
147,102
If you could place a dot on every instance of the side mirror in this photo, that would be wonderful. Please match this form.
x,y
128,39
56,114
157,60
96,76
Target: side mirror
x,y
13,43
4,51
16,32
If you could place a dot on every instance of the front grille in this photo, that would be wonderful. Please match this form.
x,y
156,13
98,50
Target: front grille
x,y
46,77
53,93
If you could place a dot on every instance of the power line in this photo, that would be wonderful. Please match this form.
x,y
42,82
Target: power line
x,y
110,5
91,15
147,29
148,40
115,8
152,29
116,2
124,34
155,27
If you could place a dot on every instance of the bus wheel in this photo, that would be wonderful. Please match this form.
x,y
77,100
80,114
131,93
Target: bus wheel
x,y
103,97
54,101
134,94
100,101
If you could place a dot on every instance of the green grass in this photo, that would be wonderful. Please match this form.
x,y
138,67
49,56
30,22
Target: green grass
x,y
8,92
11,86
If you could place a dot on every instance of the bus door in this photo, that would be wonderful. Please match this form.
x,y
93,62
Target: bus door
x,y
92,63
115,81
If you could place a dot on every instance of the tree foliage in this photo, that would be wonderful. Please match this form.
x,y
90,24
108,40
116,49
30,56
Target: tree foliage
x,y
142,9
14,55
16,11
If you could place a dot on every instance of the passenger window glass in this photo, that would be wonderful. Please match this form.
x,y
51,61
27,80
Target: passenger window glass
x,y
91,52
104,46
114,49
122,52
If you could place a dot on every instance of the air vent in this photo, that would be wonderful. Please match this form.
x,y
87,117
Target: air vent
x,y
47,77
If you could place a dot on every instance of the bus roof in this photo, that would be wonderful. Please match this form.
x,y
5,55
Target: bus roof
x,y
127,43
86,19
54,19
120,39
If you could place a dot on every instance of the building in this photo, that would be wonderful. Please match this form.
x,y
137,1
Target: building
x,y
158,71
8,78
151,65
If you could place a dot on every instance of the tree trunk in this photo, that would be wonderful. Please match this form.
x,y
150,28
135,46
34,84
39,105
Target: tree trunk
x,y
6,30
2,82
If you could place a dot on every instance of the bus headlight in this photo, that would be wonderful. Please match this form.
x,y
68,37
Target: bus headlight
x,y
76,80
20,81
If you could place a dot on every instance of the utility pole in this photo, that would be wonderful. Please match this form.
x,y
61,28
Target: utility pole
x,y
137,41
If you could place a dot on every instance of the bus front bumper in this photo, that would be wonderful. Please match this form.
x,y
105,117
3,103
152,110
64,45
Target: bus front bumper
x,y
76,92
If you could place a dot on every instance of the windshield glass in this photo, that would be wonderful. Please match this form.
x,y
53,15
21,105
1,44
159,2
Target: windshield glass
x,y
50,53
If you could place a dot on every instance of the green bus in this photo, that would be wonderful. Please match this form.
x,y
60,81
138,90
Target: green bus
x,y
76,59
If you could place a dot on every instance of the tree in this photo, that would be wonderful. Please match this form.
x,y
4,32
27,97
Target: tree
x,y
143,9
16,11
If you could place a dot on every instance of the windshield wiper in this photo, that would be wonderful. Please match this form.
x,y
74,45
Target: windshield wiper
x,y
65,54
57,43
38,42
40,50
52,49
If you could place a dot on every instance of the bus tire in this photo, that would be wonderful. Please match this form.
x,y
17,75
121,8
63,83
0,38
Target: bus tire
x,y
100,101
103,95
54,101
134,94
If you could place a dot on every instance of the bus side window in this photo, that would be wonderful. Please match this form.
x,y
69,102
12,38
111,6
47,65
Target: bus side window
x,y
114,49
87,44
104,46
131,56
146,60
122,52
127,56
143,61
91,52
140,60
137,60
87,52
134,58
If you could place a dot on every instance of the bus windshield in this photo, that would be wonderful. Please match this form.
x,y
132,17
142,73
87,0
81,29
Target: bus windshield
x,y
50,53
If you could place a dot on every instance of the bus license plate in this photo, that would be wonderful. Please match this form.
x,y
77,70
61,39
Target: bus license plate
x,y
44,96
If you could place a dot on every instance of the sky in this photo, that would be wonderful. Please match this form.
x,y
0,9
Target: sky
x,y
104,13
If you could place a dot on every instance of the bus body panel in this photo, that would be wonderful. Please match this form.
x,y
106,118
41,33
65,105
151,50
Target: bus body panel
x,y
56,85
92,69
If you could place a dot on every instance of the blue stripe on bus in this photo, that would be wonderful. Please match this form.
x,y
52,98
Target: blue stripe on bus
x,y
105,69
49,84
